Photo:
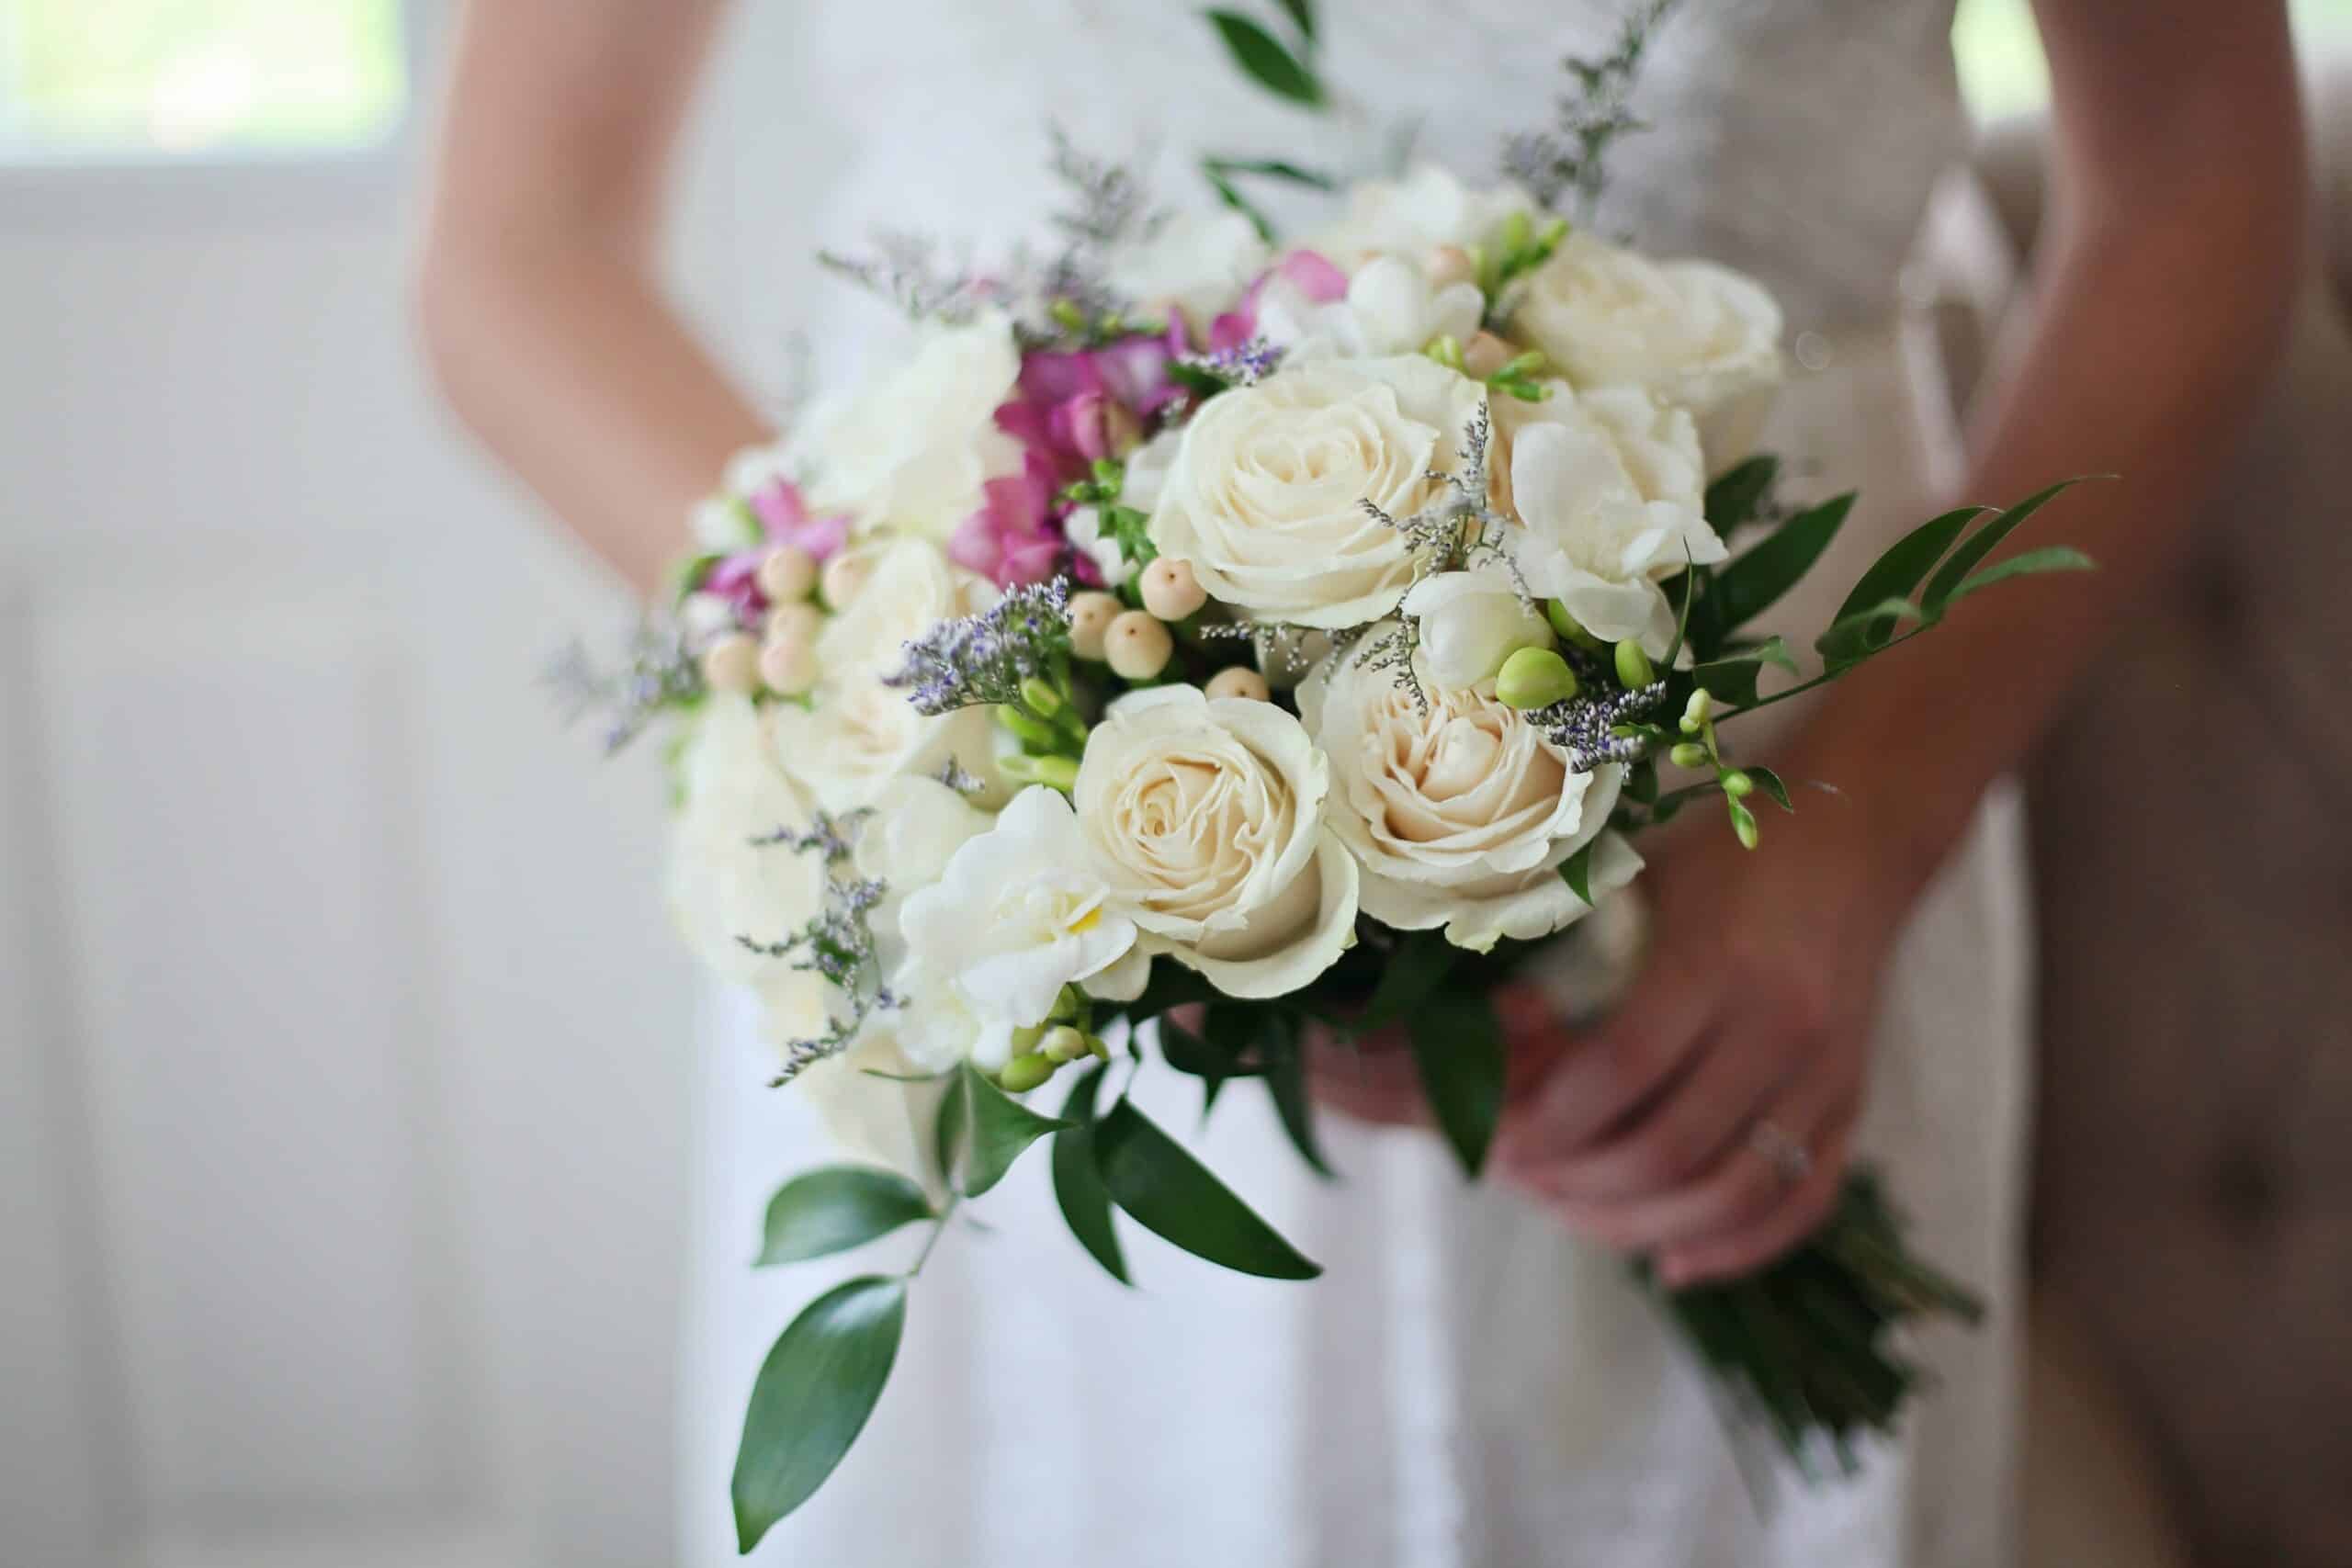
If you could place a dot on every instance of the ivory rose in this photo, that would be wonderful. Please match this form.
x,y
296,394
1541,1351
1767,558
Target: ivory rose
x,y
1412,216
1460,813
1698,335
1208,817
1265,498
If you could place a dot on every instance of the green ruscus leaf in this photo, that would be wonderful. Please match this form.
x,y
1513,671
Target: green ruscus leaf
x,y
1754,582
1283,1056
1733,677
1736,495
813,1394
1945,586
1077,1186
1001,1127
1769,783
1855,637
1263,57
2025,563
1458,1046
1577,871
835,1207
1172,1194
1303,13
1415,969
1901,570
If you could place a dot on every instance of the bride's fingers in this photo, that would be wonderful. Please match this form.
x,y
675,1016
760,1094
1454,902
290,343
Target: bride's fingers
x,y
1684,1131
1800,1211
1740,1188
1623,1062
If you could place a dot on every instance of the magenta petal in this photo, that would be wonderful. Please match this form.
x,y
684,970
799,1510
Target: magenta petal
x,y
974,545
1313,274
1031,560
822,536
779,508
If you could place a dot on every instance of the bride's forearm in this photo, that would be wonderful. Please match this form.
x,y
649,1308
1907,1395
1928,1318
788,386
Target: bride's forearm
x,y
2149,338
573,369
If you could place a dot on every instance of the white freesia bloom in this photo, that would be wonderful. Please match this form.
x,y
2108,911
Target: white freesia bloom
x,y
910,450
1200,261
1018,912
1461,813
722,886
1389,308
856,734
1610,487
1698,335
1470,623
880,1119
1208,816
1413,215
917,823
1266,497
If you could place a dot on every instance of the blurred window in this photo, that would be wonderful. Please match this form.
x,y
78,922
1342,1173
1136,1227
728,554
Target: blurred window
x,y
2001,69
177,78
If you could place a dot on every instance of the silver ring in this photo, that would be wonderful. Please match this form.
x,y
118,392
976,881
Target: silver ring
x,y
1788,1158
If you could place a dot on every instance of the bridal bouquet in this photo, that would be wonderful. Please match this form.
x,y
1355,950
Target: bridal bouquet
x,y
1201,644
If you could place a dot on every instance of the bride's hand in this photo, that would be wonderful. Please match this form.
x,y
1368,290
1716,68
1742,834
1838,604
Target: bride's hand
x,y
1707,1122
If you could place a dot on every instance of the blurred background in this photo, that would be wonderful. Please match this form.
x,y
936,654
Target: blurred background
x,y
344,1056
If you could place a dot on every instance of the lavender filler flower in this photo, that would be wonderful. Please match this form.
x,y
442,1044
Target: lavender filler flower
x,y
982,660
838,944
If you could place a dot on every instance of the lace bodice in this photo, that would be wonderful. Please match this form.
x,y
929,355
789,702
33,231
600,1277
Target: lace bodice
x,y
1794,139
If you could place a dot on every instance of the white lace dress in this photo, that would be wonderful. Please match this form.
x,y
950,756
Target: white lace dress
x,y
1466,1385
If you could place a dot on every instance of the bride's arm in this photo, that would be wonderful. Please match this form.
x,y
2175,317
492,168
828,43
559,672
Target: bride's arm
x,y
537,293
2165,279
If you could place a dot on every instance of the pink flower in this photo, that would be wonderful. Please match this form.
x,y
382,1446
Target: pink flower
x,y
1011,539
786,518
1310,272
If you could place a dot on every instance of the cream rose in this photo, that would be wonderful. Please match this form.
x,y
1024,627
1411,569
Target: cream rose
x,y
856,734
1697,335
1265,498
1461,813
1410,217
1207,816
910,450
1610,487
721,886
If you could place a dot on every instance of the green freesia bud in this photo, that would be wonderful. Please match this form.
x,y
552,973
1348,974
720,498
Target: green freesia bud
x,y
1026,1072
1535,678
1035,731
1067,315
1531,363
1743,825
1026,1039
1446,349
1039,694
1517,232
1551,235
1062,1043
1695,713
1061,772
1737,784
1568,626
1070,1004
1689,754
1633,667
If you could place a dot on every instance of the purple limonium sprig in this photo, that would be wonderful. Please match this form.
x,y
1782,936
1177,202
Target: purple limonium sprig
x,y
658,672
982,660
837,945
1586,727
1243,363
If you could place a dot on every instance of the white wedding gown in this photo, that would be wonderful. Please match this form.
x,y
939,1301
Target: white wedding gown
x,y
1466,1385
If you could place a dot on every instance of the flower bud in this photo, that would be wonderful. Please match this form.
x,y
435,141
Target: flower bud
x,y
1450,264
1241,681
1743,825
1026,727
1170,589
1520,367
1634,670
1517,229
1025,1039
1483,356
788,668
1695,711
1038,695
731,664
1070,1004
1446,349
1026,1072
1091,615
844,575
1535,678
787,574
1737,784
1056,772
1062,1043
798,621
1689,754
1138,645
1568,626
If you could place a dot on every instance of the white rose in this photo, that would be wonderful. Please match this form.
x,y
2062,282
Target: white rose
x,y
1389,308
1413,215
1018,913
911,449
1698,334
1200,261
1470,623
721,886
1610,487
1208,816
1461,813
856,734
1266,498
